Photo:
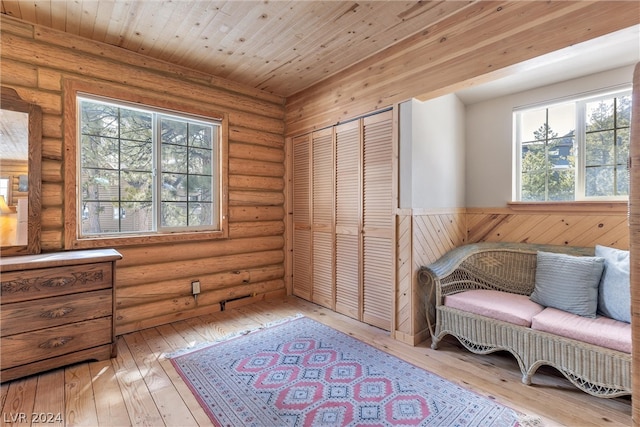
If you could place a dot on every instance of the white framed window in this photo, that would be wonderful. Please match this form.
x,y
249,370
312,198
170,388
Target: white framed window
x,y
143,170
576,149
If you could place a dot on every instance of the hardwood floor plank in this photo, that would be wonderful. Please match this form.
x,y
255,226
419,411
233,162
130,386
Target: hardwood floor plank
x,y
168,401
159,347
110,406
140,405
80,403
49,406
18,405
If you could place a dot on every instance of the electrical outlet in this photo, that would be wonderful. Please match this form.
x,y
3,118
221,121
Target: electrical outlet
x,y
195,287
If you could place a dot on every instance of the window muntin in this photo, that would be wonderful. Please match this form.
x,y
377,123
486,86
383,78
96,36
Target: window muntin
x,y
146,171
575,150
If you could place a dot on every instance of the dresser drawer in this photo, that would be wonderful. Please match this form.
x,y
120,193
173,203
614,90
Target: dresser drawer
x,y
28,316
31,346
43,283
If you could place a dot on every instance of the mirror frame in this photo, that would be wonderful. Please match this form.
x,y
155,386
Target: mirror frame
x,y
10,100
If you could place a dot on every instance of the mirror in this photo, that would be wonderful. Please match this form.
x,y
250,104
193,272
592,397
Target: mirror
x,y
20,179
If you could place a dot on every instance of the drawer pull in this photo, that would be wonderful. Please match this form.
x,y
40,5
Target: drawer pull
x,y
56,313
55,342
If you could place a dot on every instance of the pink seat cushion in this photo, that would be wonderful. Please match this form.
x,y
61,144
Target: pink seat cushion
x,y
601,331
505,306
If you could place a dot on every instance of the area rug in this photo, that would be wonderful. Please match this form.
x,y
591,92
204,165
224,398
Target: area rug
x,y
302,373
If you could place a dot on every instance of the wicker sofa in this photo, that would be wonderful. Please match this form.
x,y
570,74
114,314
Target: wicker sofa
x,y
510,268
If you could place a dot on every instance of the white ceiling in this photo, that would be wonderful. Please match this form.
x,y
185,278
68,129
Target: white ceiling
x,y
608,52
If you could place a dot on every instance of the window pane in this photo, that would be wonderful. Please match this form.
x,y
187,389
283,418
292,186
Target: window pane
x,y
622,146
200,214
174,158
136,155
135,125
560,153
174,187
201,135
562,121
599,115
99,119
622,181
561,185
533,125
624,111
173,131
599,181
136,186
174,214
200,161
97,152
599,148
200,188
534,186
533,157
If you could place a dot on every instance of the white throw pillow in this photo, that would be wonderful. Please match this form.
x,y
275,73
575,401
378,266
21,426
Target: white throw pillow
x,y
614,294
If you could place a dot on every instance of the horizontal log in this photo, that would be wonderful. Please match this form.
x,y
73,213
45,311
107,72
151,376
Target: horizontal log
x,y
255,168
256,137
52,126
167,270
168,289
256,152
51,218
51,240
52,148
158,254
255,198
19,73
200,310
52,194
255,213
50,79
52,171
245,182
186,303
255,229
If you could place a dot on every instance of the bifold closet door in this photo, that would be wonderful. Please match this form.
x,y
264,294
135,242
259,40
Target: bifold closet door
x,y
348,219
378,220
302,281
322,213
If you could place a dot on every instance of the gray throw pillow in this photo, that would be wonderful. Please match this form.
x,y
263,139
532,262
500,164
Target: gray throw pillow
x,y
569,283
614,294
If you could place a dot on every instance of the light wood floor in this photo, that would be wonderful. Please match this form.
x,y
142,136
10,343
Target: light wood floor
x,y
140,386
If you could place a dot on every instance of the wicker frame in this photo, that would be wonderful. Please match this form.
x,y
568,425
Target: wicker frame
x,y
511,267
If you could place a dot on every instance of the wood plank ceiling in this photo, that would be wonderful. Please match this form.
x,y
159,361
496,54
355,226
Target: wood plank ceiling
x,y
281,46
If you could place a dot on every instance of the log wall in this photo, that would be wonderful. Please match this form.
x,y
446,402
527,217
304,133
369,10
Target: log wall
x,y
154,281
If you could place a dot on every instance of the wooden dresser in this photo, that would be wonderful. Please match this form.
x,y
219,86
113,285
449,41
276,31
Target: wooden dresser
x,y
56,309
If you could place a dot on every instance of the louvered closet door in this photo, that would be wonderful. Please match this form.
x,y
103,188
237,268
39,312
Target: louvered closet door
x,y
348,219
302,217
322,210
378,230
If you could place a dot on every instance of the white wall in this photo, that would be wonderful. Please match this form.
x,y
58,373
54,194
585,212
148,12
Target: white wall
x,y
489,134
432,159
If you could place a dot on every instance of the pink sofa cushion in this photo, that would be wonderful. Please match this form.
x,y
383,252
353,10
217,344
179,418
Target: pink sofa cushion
x,y
601,331
505,306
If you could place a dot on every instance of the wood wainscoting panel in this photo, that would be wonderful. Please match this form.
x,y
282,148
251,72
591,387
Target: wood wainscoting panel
x,y
606,226
423,237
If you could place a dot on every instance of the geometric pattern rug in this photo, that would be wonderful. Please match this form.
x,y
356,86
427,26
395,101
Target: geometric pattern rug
x,y
302,373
